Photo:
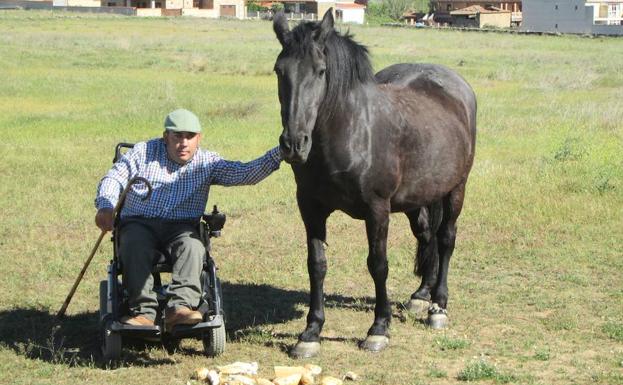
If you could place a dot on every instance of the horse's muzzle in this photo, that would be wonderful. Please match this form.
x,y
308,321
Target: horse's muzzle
x,y
294,151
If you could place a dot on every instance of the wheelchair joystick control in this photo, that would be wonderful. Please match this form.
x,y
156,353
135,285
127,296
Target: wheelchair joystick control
x,y
215,222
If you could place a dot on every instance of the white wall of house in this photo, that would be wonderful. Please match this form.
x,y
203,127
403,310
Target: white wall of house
x,y
149,12
196,12
355,16
76,3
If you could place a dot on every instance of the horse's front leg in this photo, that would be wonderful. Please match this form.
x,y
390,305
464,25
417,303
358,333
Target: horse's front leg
x,y
315,219
376,228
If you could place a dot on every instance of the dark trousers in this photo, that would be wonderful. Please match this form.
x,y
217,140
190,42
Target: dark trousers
x,y
139,240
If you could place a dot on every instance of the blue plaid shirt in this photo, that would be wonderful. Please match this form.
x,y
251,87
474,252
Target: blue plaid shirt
x,y
180,192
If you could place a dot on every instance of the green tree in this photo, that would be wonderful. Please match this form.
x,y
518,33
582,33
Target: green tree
x,y
276,7
254,6
394,9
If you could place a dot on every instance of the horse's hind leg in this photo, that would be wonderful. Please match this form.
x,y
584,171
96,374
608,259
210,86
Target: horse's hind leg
x,y
424,223
446,236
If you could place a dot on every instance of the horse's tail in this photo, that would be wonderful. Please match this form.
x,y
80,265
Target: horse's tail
x,y
427,256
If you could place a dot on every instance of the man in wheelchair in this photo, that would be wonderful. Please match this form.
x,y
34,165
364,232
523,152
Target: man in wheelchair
x,y
180,174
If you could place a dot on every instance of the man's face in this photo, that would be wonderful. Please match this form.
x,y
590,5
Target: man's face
x,y
181,146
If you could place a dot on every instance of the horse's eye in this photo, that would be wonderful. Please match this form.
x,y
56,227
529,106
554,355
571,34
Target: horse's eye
x,y
277,71
321,72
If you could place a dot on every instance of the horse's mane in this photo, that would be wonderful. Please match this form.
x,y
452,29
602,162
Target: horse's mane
x,y
348,62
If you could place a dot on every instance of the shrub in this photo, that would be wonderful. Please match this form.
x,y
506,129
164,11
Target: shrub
x,y
392,10
570,149
447,343
255,7
482,370
614,331
276,7
478,370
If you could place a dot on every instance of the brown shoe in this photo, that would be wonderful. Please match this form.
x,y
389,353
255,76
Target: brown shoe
x,y
181,316
138,320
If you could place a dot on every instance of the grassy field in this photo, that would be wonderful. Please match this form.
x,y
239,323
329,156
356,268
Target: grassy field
x,y
536,282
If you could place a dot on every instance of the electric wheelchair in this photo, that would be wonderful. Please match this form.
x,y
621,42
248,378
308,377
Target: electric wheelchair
x,y
114,302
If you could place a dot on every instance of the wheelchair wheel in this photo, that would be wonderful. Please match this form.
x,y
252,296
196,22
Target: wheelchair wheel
x,y
103,299
214,341
111,342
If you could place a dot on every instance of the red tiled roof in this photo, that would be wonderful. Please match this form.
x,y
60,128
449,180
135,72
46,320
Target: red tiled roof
x,y
475,9
349,6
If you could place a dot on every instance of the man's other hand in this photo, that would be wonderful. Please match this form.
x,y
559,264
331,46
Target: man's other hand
x,y
104,220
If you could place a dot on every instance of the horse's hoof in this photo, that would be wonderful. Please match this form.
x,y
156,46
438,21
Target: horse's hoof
x,y
374,344
304,349
417,307
437,317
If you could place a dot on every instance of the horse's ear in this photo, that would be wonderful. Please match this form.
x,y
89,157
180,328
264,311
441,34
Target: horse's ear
x,y
326,26
280,25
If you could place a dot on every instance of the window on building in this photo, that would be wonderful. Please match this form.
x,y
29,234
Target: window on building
x,y
603,10
158,4
449,7
208,4
556,6
112,4
613,11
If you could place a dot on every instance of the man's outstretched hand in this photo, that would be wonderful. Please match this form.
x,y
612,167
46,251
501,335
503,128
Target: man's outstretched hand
x,y
104,219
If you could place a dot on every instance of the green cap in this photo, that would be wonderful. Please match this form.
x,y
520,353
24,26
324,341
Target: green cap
x,y
182,120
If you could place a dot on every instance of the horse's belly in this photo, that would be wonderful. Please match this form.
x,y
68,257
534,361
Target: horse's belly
x,y
333,192
422,191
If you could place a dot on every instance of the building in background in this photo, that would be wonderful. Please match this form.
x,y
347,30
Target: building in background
x,y
453,5
200,8
76,3
443,8
573,16
476,16
350,13
607,12
345,11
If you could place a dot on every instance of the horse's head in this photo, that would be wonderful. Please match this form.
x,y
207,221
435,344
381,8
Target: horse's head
x,y
301,72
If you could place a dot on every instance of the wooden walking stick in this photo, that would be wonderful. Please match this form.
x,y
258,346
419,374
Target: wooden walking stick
x,y
115,211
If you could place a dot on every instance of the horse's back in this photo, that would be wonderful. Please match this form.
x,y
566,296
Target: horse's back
x,y
435,112
433,79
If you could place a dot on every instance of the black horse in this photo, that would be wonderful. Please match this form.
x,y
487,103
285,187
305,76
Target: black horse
x,y
399,141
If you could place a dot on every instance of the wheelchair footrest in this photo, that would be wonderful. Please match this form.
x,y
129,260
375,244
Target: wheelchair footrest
x,y
132,329
180,331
